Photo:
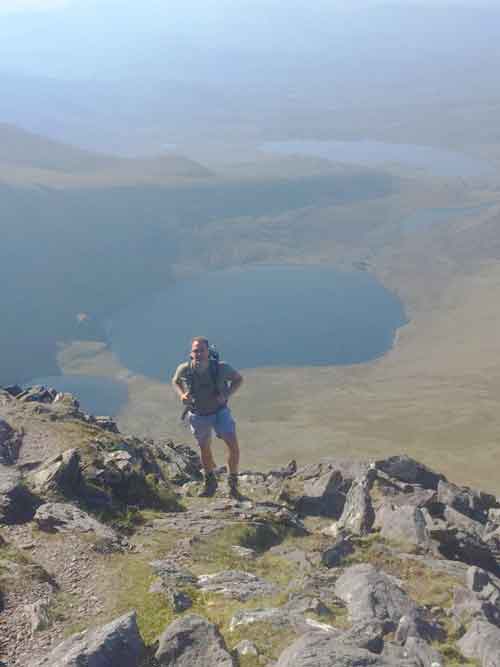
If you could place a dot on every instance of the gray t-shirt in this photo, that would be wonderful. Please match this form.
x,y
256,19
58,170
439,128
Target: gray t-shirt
x,y
202,387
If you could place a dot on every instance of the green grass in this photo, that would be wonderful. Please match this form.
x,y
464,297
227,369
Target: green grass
x,y
133,578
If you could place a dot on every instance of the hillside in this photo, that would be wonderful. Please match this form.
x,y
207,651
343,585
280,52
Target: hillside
x,y
27,158
94,241
383,563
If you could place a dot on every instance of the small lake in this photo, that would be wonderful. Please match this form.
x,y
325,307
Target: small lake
x,y
437,161
261,316
97,395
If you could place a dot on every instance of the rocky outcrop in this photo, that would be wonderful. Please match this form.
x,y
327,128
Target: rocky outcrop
x,y
10,443
63,517
117,643
482,642
192,641
318,649
375,597
60,476
307,567
406,469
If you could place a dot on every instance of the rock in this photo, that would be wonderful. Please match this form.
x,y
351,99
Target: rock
x,y
422,654
303,559
59,475
482,642
373,596
179,601
462,521
38,615
474,504
404,523
322,649
244,552
323,495
191,641
369,636
106,423
13,389
63,517
172,574
275,616
117,643
481,598
236,584
457,544
340,549
406,469
181,463
37,394
358,515
246,647
10,443
476,579
17,504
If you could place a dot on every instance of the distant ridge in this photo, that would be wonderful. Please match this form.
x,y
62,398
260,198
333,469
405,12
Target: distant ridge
x,y
26,157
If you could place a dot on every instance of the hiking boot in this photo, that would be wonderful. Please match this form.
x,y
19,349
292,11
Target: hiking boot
x,y
233,486
210,486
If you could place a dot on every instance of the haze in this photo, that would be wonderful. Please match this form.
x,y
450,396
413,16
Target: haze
x,y
142,144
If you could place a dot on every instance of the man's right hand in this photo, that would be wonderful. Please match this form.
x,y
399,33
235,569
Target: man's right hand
x,y
186,398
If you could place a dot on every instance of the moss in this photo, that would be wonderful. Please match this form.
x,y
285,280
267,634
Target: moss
x,y
453,657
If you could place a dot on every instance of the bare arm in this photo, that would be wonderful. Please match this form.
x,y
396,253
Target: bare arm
x,y
236,381
179,389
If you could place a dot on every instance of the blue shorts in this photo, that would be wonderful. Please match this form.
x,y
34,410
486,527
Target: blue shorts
x,y
221,422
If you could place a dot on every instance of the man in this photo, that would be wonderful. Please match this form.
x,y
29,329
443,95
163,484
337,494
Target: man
x,y
205,386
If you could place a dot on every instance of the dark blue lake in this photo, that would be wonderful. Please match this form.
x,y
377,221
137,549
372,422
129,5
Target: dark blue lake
x,y
261,316
97,395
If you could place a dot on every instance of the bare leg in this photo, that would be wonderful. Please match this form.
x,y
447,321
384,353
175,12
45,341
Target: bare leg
x,y
233,452
207,458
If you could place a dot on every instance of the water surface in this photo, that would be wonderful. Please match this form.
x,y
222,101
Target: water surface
x,y
97,395
261,316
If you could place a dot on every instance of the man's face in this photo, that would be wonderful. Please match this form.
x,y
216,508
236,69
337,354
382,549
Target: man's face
x,y
199,353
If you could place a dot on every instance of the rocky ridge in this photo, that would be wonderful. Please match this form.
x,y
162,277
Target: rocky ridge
x,y
108,557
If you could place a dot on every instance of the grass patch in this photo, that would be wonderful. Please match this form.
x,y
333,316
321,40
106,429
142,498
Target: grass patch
x,y
134,577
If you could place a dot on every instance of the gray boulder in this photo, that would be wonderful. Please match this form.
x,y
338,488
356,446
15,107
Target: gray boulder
x,y
373,596
406,469
482,642
404,523
474,504
63,517
17,504
191,641
325,649
480,599
340,549
236,584
323,495
37,394
10,443
459,544
117,643
422,654
60,475
358,515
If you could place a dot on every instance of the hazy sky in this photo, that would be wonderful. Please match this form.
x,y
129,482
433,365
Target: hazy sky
x,y
174,38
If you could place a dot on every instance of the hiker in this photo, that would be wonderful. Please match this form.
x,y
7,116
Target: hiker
x,y
204,385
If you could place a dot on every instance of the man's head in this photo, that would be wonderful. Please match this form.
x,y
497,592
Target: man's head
x,y
199,351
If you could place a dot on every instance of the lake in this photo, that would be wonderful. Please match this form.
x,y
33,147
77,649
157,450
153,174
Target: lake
x,y
437,161
97,395
261,316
